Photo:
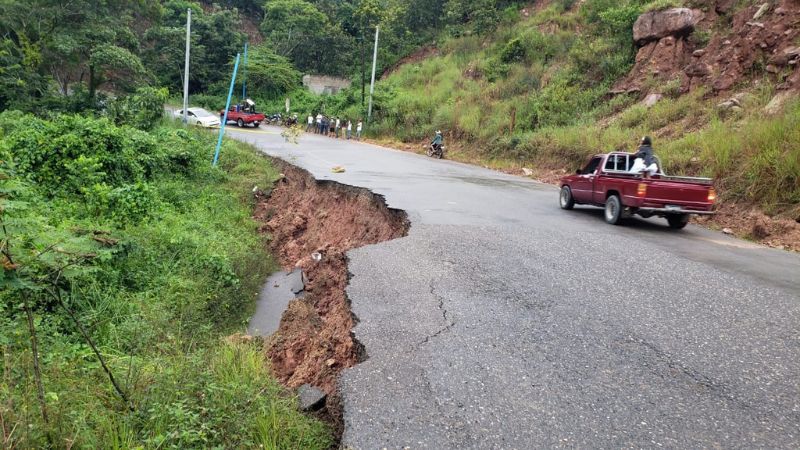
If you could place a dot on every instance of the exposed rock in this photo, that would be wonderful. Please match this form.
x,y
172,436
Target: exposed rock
x,y
698,53
730,104
761,11
756,24
760,229
652,99
727,231
527,172
724,6
776,104
698,69
310,397
654,25
785,57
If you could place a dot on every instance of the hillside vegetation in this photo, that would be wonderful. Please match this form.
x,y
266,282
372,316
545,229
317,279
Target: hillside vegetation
x,y
126,258
536,93
539,86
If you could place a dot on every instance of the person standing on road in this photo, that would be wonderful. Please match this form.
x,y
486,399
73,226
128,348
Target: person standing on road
x,y
310,122
319,122
359,127
338,127
349,129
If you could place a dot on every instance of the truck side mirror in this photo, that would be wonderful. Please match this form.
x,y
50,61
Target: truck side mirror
x,y
578,172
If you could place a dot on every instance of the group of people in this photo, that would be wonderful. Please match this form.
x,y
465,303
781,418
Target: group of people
x,y
333,126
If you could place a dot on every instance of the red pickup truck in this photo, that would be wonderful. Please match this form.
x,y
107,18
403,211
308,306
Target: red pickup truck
x,y
243,114
607,181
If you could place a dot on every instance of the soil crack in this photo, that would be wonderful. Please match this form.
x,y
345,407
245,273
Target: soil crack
x,y
312,224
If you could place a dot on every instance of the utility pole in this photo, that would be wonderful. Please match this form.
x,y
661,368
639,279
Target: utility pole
x,y
244,74
372,83
363,72
186,67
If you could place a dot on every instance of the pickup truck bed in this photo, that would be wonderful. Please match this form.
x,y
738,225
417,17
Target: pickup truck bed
x,y
242,118
606,181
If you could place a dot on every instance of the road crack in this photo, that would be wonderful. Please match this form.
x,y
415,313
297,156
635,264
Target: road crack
x,y
445,316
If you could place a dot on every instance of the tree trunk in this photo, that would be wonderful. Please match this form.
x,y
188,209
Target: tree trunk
x,y
92,82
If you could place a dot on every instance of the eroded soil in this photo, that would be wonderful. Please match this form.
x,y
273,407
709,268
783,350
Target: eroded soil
x,y
307,218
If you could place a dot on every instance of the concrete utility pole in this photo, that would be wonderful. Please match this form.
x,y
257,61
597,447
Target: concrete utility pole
x,y
372,83
186,67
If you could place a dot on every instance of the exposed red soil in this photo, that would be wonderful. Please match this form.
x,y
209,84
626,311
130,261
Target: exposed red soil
x,y
741,47
752,224
303,216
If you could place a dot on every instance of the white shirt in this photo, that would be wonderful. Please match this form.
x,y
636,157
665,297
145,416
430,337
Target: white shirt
x,y
359,126
349,126
319,118
337,123
310,120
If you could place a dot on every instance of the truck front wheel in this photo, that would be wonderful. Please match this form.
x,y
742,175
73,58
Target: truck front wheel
x,y
240,123
565,198
677,221
613,214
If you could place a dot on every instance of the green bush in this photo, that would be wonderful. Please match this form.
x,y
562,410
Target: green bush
x,y
139,239
142,109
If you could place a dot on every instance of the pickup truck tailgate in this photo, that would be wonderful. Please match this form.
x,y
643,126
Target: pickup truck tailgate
x,y
661,193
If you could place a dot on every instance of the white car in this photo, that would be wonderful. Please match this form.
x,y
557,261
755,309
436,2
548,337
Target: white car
x,y
199,117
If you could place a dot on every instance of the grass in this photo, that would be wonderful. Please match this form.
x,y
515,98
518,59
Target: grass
x,y
158,305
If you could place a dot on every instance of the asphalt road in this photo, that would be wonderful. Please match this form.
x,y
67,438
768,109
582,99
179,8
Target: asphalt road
x,y
502,321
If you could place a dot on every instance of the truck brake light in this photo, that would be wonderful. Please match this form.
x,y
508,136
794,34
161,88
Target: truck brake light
x,y
641,190
712,195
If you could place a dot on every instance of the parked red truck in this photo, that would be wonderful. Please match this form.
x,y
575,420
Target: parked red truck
x,y
607,181
244,114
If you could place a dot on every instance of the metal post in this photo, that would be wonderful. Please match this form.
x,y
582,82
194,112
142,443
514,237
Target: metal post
x,y
186,67
225,115
244,74
372,83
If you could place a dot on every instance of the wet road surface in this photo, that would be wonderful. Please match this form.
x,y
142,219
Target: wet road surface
x,y
502,321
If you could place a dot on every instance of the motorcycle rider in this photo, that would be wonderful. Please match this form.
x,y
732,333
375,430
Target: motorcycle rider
x,y
437,142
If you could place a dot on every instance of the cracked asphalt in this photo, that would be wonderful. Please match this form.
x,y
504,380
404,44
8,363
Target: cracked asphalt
x,y
503,322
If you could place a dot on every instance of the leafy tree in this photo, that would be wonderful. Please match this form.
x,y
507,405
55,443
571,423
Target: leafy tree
x,y
216,38
300,31
270,75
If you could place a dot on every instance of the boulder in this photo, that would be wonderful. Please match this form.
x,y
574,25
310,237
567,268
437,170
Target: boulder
x,y
776,104
652,99
761,11
784,57
654,25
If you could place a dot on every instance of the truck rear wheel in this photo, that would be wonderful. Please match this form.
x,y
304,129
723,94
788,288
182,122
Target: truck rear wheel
x,y
240,123
565,198
613,213
678,221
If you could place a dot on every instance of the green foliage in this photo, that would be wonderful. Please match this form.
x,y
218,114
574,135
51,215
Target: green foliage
x,y
216,38
513,51
156,254
143,109
270,75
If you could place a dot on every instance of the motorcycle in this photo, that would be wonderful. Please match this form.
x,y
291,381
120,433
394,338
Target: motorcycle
x,y
436,151
275,119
